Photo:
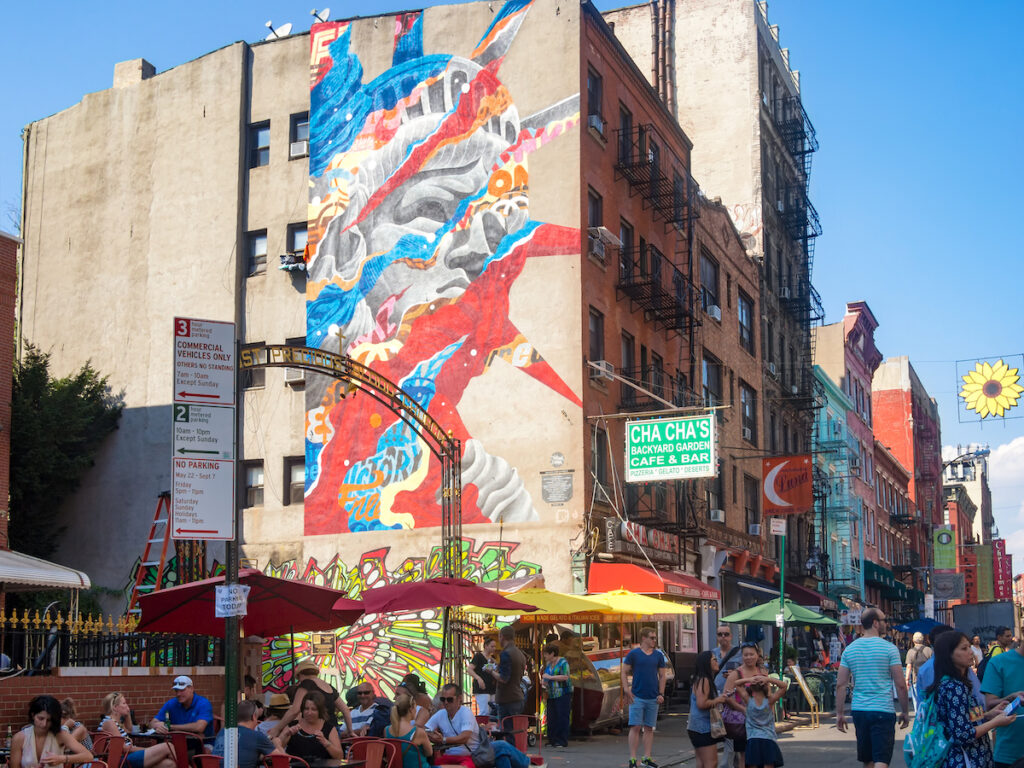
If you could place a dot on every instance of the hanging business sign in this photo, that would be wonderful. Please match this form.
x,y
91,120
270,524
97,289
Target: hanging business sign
x,y
788,485
948,586
944,549
671,449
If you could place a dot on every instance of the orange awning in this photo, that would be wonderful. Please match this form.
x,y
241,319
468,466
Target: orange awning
x,y
605,577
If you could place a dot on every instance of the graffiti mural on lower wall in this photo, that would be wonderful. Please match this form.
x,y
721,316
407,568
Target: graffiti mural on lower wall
x,y
381,649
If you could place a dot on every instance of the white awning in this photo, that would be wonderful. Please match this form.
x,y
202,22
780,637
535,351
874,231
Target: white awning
x,y
20,572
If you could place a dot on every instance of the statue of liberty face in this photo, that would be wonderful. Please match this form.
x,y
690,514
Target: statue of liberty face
x,y
429,206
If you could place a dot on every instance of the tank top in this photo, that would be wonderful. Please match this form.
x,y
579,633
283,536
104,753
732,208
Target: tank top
x,y
760,720
122,731
51,746
700,719
306,746
412,756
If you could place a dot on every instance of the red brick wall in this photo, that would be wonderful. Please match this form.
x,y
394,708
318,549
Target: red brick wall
x,y
145,689
8,279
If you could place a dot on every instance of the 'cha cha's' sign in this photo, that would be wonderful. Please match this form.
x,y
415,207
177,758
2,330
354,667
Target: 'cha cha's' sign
x,y
670,449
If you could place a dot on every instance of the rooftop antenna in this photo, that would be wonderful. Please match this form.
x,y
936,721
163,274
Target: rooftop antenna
x,y
321,16
283,31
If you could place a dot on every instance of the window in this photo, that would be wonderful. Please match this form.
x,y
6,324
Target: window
x,y
253,483
628,352
595,89
708,281
256,252
300,127
752,500
625,134
714,494
294,479
657,375
297,234
655,258
259,144
769,342
595,208
596,335
626,250
748,409
254,378
712,370
599,458
773,433
295,377
746,315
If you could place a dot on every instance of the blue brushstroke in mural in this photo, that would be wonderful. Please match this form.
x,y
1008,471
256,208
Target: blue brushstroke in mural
x,y
410,45
398,450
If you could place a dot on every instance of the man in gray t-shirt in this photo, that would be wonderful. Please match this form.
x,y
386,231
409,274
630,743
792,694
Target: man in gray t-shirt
x,y
728,658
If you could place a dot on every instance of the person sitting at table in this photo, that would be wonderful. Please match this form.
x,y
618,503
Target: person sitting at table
x,y
44,742
453,728
312,737
252,743
419,692
74,726
275,710
416,754
363,714
420,713
187,711
117,721
337,710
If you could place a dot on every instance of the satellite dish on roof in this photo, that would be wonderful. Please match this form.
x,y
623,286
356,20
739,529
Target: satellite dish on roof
x,y
283,31
321,16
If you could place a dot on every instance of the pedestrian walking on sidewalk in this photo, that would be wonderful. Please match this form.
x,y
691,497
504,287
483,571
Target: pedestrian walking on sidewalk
x,y
875,666
728,657
645,695
760,694
703,698
916,656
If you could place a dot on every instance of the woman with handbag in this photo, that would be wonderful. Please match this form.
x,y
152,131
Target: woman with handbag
x,y
734,713
957,711
705,727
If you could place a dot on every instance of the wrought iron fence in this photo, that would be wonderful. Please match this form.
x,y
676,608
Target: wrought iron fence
x,y
37,644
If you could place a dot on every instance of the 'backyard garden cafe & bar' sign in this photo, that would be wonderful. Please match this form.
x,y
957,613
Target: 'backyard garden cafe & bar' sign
x,y
671,449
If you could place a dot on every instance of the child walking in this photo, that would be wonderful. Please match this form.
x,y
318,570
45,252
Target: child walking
x,y
760,693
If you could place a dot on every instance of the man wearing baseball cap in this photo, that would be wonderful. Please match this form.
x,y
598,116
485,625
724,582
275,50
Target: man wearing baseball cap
x,y
187,711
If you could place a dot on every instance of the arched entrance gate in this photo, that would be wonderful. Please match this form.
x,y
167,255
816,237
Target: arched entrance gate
x,y
446,448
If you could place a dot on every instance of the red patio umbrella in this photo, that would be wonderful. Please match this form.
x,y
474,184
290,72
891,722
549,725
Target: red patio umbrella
x,y
275,607
435,593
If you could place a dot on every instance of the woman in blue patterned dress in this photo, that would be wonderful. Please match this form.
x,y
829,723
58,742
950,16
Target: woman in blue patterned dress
x,y
966,725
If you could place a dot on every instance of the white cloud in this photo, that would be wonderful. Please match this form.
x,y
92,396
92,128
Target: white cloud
x,y
1006,467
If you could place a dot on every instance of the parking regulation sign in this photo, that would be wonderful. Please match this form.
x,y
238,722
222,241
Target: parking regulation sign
x,y
671,449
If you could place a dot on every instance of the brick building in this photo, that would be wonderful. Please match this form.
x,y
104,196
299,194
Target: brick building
x,y
902,595
9,245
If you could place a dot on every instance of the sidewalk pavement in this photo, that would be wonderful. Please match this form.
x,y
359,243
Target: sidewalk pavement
x,y
672,746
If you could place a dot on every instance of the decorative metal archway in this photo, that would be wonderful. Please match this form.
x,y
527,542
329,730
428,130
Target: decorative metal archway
x,y
442,444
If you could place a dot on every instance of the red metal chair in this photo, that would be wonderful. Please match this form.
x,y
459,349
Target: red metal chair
x,y
401,747
376,753
180,741
115,752
484,720
284,761
99,743
518,727
207,761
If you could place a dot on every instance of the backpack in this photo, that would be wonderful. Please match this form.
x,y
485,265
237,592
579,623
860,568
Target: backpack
x,y
381,718
984,665
918,656
926,746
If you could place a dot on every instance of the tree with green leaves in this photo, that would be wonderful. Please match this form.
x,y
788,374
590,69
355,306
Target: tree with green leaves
x,y
57,426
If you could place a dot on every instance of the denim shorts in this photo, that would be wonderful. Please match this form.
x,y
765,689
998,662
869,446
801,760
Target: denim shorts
x,y
644,712
876,733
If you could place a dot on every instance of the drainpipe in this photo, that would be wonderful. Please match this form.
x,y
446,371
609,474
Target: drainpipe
x,y
655,16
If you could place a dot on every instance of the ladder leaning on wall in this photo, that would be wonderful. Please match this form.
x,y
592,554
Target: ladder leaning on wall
x,y
159,534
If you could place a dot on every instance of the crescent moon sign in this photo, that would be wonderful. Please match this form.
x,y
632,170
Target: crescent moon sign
x,y
769,486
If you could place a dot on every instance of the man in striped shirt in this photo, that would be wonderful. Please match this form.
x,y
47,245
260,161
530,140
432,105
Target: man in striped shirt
x,y
875,666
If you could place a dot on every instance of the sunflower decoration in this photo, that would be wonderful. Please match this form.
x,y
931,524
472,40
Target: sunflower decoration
x,y
991,390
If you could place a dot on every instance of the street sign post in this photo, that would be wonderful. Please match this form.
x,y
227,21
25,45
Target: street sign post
x,y
671,449
203,425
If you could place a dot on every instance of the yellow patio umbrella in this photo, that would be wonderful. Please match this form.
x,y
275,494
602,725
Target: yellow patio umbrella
x,y
622,602
554,608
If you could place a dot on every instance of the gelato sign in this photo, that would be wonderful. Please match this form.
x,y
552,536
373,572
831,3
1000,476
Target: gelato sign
x,y
670,449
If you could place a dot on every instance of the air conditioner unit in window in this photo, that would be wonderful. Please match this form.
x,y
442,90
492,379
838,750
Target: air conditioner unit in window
x,y
748,433
784,292
715,312
754,529
772,369
294,376
603,370
781,206
597,248
794,389
716,515
605,236
596,122
298,149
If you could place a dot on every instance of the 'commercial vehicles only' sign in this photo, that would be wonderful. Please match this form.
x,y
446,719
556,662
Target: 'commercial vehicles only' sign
x,y
671,449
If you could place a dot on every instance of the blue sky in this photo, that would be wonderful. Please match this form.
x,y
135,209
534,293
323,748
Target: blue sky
x,y
916,104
